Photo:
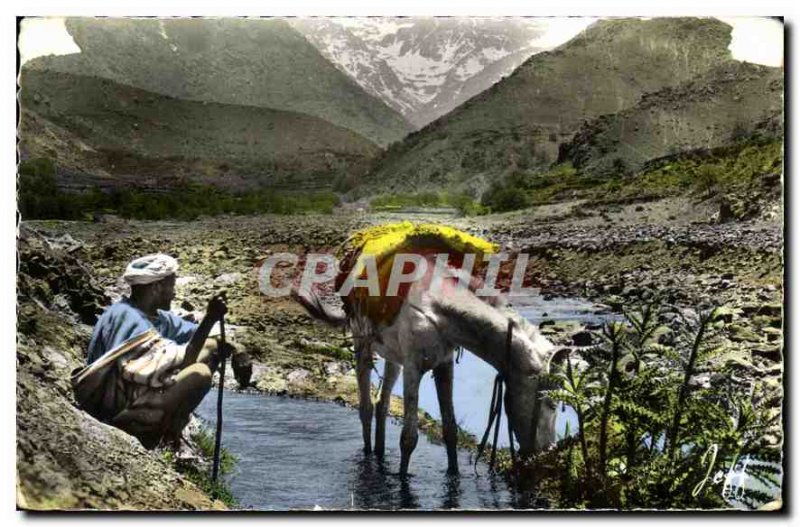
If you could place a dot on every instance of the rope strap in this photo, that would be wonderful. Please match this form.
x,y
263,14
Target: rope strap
x,y
496,411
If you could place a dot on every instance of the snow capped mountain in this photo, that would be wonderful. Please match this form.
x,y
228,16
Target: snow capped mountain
x,y
425,67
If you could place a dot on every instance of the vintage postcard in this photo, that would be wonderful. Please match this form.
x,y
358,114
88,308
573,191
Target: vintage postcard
x,y
400,263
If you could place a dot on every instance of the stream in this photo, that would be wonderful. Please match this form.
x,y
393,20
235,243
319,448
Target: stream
x,y
297,454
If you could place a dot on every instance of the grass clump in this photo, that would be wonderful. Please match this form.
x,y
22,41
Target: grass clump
x,y
329,350
200,473
705,173
205,442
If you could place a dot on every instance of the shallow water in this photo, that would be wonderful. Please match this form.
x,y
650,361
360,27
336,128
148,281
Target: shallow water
x,y
297,454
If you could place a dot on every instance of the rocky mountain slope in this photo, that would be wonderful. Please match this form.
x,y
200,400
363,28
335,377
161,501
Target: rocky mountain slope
x,y
424,67
104,133
522,120
251,62
724,105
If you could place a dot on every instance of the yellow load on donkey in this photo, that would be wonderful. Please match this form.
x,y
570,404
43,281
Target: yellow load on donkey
x,y
382,243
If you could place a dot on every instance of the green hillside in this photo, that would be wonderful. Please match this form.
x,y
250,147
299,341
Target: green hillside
x,y
721,107
100,132
521,122
250,62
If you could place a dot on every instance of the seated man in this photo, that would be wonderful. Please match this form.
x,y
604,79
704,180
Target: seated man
x,y
164,375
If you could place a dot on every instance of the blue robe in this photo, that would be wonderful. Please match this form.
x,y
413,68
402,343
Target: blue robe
x,y
123,321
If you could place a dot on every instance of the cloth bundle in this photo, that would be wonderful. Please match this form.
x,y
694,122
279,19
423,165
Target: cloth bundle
x,y
156,366
143,363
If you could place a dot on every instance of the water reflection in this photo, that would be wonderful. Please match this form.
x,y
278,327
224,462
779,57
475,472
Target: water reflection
x,y
375,487
452,490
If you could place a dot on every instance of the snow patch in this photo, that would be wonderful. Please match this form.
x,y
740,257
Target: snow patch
x,y
162,30
416,65
409,62
495,54
469,68
371,28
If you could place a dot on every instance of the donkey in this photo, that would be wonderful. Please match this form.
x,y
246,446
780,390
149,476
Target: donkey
x,y
423,336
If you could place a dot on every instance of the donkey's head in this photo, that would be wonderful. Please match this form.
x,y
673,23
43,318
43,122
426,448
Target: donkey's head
x,y
532,416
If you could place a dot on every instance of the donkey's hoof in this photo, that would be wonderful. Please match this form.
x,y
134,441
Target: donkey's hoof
x,y
405,477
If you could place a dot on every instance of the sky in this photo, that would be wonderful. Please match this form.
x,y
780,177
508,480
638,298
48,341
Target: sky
x,y
756,40
44,36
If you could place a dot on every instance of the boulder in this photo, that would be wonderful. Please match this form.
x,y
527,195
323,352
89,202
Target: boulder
x,y
336,368
298,376
583,338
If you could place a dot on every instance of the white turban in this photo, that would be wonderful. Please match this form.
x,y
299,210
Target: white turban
x,y
150,268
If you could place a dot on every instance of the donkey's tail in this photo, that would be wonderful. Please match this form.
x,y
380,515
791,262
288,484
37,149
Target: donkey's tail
x,y
312,303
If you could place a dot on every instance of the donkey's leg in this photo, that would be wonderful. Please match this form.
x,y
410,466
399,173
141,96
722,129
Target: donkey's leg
x,y
390,373
408,437
363,371
443,376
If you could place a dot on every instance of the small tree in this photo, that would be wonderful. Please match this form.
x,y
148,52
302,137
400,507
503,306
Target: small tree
x,y
708,179
620,168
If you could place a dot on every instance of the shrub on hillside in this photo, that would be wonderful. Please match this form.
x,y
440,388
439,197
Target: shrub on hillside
x,y
506,197
40,198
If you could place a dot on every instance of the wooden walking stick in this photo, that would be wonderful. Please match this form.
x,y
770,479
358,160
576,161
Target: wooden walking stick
x,y
223,356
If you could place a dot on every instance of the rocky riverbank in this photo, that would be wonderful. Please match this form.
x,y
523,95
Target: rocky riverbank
x,y
66,459
738,267
69,270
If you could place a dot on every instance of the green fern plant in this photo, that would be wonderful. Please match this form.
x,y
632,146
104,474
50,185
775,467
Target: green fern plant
x,y
663,420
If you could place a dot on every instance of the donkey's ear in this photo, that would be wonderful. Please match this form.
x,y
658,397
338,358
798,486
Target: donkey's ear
x,y
557,358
